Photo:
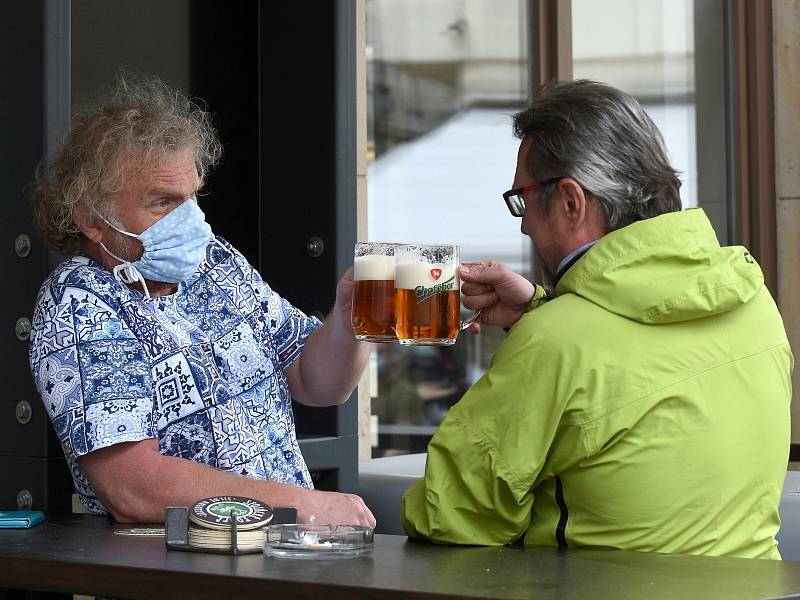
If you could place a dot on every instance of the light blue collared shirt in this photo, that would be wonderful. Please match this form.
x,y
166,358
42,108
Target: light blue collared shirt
x,y
568,258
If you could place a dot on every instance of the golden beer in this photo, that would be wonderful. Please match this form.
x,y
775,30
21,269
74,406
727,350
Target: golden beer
x,y
434,320
427,302
374,309
373,314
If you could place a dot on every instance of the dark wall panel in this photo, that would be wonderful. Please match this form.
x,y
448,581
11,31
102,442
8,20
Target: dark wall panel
x,y
307,190
25,448
298,146
224,74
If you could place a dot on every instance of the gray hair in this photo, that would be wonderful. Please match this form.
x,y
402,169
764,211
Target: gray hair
x,y
602,138
137,120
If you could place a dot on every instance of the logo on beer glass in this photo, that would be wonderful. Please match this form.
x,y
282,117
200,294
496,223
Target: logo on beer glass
x,y
427,305
373,312
422,293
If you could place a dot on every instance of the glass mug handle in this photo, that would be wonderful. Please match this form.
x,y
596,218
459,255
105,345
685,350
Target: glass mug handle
x,y
470,320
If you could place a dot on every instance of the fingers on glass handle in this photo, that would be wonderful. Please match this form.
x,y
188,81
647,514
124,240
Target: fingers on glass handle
x,y
472,318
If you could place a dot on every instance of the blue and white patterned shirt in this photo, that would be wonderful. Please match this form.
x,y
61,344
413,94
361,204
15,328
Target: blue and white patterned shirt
x,y
201,370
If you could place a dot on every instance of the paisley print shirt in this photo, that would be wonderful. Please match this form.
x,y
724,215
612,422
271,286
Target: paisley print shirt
x,y
201,370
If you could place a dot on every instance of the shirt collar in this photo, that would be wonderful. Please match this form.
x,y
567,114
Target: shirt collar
x,y
570,258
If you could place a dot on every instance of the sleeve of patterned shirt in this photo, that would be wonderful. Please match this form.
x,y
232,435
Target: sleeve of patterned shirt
x,y
89,368
288,325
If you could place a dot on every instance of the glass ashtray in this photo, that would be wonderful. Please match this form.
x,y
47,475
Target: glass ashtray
x,y
317,541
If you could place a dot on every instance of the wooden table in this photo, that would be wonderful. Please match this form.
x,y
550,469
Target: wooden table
x,y
82,555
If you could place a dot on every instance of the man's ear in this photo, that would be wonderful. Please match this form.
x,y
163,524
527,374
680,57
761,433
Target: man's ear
x,y
581,212
573,203
87,223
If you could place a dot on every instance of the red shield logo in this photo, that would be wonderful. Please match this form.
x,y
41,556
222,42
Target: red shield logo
x,y
436,273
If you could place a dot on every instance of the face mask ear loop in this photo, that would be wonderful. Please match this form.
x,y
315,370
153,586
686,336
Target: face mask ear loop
x,y
125,272
115,228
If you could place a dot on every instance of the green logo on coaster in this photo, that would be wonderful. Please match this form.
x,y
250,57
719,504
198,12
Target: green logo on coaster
x,y
229,509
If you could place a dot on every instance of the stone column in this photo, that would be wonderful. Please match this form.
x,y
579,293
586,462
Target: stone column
x,y
787,139
364,400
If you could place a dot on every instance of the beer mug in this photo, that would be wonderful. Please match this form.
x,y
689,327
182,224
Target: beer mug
x,y
428,301
373,315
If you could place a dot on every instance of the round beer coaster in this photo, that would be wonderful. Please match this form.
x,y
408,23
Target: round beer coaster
x,y
218,512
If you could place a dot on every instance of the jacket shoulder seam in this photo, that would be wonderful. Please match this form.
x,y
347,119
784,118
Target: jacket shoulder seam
x,y
647,394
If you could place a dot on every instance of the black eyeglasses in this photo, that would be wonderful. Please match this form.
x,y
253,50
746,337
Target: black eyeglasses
x,y
514,199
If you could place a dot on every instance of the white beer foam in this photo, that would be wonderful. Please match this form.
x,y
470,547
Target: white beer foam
x,y
410,275
374,267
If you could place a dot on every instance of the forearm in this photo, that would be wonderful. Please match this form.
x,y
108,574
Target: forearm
x,y
141,497
502,295
463,498
330,364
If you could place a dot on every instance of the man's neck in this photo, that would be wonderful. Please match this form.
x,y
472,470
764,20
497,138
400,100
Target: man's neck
x,y
158,288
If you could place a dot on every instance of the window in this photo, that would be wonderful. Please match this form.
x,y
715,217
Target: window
x,y
436,70
443,79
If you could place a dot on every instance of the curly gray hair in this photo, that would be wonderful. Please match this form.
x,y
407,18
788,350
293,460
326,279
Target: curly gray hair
x,y
139,118
603,138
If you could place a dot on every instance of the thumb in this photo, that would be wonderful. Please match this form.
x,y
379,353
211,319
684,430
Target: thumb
x,y
344,289
486,271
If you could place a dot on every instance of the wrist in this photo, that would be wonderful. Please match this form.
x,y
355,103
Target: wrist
x,y
303,503
538,298
340,321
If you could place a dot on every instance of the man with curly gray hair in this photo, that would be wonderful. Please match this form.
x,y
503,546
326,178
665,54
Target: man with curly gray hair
x,y
643,403
166,364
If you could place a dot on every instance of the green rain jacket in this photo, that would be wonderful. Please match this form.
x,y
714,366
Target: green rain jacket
x,y
645,407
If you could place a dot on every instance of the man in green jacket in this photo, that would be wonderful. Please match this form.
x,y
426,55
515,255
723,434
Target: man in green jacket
x,y
645,404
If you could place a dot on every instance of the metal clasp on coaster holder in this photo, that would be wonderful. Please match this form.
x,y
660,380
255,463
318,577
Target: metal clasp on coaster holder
x,y
234,539
176,529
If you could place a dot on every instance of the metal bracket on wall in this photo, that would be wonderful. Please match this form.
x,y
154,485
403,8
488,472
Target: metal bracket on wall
x,y
22,245
24,412
23,329
315,246
24,500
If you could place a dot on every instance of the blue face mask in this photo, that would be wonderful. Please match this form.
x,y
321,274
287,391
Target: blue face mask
x,y
174,247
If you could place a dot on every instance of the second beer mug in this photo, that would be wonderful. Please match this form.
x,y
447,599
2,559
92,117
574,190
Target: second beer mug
x,y
428,302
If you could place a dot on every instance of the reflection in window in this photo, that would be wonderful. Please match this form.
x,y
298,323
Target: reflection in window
x,y
648,50
653,61
443,78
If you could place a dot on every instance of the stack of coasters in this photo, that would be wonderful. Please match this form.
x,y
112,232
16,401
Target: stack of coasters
x,y
212,524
